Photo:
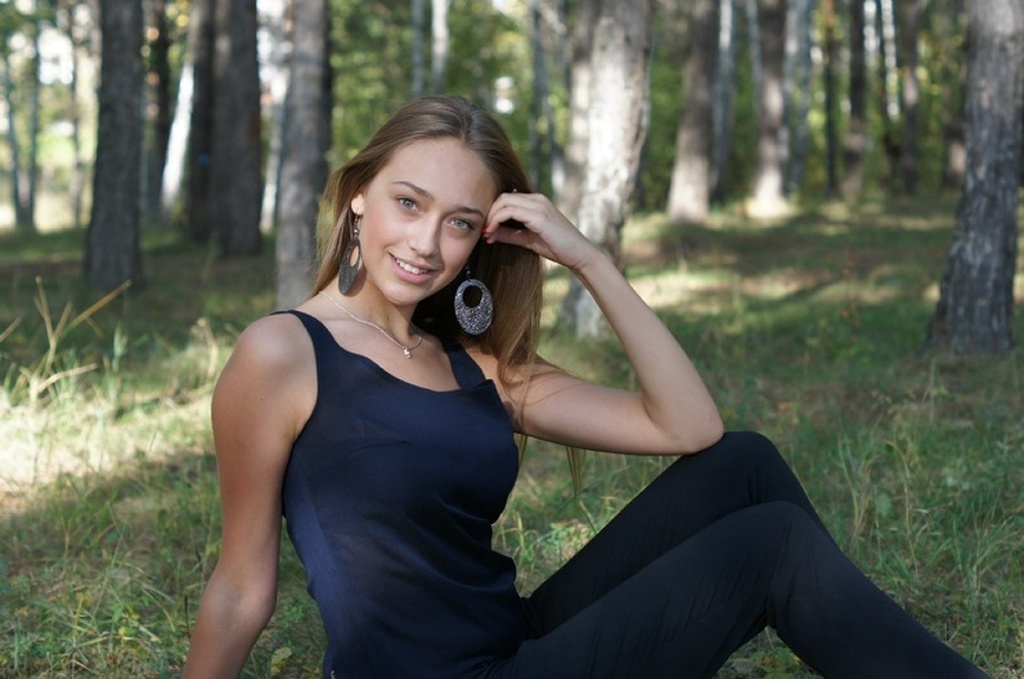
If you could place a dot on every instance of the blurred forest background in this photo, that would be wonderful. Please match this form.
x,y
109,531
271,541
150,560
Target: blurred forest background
x,y
821,198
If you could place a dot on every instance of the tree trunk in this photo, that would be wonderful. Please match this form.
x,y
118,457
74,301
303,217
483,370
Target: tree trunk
x,y
542,139
888,101
21,219
274,18
236,174
768,198
856,146
439,45
417,48
831,56
617,122
723,109
198,223
160,110
690,188
28,222
304,148
112,253
799,100
579,104
911,94
974,313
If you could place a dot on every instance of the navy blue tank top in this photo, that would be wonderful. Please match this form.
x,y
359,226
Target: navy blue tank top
x,y
389,497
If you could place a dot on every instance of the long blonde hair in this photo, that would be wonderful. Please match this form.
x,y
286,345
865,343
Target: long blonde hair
x,y
513,274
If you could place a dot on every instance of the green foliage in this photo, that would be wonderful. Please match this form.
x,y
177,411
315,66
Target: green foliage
x,y
807,329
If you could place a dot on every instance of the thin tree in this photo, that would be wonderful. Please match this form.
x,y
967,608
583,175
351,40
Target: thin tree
x,y
831,57
974,313
690,189
768,197
418,12
198,224
579,106
856,145
305,142
236,172
159,109
439,45
911,93
617,124
112,254
724,96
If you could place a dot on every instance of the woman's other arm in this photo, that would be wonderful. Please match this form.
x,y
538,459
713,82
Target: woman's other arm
x,y
262,398
672,410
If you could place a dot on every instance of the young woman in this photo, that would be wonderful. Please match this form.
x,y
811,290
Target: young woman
x,y
378,417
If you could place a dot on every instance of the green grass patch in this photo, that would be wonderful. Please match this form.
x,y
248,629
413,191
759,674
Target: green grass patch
x,y
807,329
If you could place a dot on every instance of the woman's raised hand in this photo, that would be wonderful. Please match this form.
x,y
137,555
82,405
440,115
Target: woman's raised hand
x,y
530,220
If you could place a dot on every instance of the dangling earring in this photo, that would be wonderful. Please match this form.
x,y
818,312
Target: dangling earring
x,y
347,269
473,319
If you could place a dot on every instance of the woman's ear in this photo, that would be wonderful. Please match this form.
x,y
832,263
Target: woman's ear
x,y
358,204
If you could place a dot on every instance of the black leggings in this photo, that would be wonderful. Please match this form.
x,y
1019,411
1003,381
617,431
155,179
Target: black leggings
x,y
721,544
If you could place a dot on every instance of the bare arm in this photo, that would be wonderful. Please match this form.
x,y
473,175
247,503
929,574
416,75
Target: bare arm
x,y
671,411
262,398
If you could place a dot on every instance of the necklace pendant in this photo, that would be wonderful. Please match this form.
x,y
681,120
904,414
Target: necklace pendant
x,y
407,351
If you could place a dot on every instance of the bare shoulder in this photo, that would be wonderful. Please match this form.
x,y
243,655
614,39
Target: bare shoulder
x,y
272,367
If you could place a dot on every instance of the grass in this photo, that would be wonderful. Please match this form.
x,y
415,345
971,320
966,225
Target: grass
x,y
808,329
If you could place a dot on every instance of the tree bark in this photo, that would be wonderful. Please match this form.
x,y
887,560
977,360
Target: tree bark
x,y
160,110
856,146
768,197
573,182
112,254
798,100
617,122
723,108
198,223
831,57
304,148
911,96
417,48
439,45
690,189
974,313
236,173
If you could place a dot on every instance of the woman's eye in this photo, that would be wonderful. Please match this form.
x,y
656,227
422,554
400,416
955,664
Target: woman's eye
x,y
407,203
462,224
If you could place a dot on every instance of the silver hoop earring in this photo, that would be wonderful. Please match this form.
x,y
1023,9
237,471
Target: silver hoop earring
x,y
477,318
347,269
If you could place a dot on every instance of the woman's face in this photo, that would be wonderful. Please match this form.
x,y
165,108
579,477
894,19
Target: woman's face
x,y
422,215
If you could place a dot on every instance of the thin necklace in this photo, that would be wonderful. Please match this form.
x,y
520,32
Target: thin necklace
x,y
407,350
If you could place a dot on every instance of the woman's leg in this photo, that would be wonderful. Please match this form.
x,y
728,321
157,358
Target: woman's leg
x,y
683,614
741,470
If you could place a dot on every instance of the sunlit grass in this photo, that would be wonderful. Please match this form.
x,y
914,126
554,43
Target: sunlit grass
x,y
808,329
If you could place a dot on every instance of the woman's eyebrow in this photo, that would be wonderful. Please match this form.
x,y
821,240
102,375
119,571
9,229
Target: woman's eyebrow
x,y
426,194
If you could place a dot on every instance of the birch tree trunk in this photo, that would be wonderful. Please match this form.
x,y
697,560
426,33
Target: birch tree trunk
x,y
439,45
569,197
112,254
690,189
722,111
274,18
617,122
974,313
304,148
768,198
